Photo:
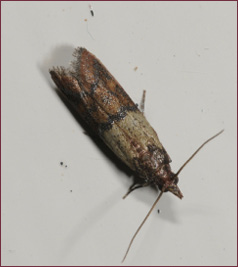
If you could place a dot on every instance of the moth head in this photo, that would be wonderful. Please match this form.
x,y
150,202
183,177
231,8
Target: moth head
x,y
167,181
171,185
173,188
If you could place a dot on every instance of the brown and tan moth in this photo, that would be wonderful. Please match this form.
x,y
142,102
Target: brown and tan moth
x,y
109,111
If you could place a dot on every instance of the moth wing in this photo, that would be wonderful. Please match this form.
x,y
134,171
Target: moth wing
x,y
107,108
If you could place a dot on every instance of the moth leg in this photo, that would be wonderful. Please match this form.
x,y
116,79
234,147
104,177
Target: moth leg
x,y
135,186
142,103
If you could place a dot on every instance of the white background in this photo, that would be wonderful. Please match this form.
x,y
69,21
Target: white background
x,y
186,58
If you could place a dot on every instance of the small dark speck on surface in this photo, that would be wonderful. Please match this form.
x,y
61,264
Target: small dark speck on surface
x,y
62,164
91,10
158,211
71,191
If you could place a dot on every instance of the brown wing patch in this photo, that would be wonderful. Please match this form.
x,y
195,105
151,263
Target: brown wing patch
x,y
98,97
94,78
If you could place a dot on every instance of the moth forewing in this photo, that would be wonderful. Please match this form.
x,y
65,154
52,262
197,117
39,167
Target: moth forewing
x,y
105,106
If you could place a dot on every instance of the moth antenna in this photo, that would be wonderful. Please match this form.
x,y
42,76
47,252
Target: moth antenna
x,y
197,152
146,217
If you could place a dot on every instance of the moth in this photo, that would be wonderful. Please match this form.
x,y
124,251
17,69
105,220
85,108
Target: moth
x,y
105,106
